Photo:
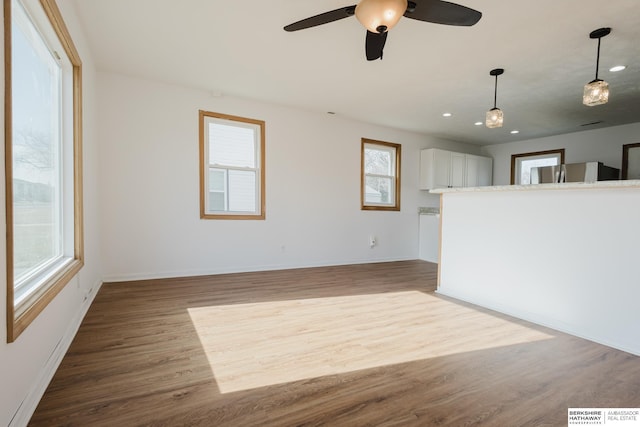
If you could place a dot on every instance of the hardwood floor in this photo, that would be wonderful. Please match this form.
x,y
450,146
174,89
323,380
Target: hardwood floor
x,y
360,345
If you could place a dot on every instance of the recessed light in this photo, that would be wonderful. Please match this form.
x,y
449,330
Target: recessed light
x,y
478,123
331,112
617,68
447,114
513,132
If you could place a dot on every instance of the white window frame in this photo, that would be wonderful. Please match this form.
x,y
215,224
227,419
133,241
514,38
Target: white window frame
x,y
29,294
517,159
394,176
258,128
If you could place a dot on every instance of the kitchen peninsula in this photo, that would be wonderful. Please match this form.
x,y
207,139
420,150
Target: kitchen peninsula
x,y
566,256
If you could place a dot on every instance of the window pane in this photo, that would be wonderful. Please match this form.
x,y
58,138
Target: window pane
x,y
242,191
216,201
527,164
36,146
217,180
378,162
217,189
231,146
378,190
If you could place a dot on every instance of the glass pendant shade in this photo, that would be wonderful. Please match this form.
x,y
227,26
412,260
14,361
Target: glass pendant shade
x,y
379,16
596,92
495,118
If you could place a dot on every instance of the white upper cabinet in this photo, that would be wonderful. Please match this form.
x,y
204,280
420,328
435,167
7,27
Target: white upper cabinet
x,y
447,169
485,171
458,170
479,171
472,166
439,177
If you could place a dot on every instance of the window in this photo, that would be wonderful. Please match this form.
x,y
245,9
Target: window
x,y
380,180
231,167
631,161
43,166
521,164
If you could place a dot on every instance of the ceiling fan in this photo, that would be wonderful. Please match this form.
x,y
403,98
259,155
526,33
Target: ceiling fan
x,y
379,16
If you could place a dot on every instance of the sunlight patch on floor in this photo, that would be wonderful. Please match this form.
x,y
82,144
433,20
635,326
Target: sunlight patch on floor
x,y
265,343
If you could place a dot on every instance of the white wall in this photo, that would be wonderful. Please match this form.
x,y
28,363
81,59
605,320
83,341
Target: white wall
x,y
566,259
149,156
603,145
27,364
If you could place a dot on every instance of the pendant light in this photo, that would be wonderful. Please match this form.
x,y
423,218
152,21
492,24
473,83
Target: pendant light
x,y
596,92
379,16
495,117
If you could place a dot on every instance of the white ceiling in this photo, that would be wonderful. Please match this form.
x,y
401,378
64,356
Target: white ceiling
x,y
238,48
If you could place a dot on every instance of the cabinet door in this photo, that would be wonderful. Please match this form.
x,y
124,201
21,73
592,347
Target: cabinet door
x,y
434,168
473,166
429,249
479,171
441,168
427,163
485,171
458,167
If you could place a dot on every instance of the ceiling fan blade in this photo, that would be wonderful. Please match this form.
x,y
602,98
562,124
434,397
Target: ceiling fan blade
x,y
443,12
374,44
323,18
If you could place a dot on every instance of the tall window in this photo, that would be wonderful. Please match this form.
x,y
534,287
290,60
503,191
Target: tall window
x,y
42,158
380,179
521,164
231,167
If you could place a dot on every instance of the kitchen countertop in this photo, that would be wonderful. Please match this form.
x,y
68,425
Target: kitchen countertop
x,y
429,211
631,183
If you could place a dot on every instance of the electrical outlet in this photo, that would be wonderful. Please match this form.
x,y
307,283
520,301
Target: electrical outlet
x,y
372,241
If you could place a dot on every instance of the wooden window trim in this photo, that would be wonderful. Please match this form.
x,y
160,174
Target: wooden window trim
x,y
625,158
203,167
398,150
515,157
17,324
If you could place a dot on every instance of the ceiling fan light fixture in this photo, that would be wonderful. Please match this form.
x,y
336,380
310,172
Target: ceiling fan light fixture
x,y
379,16
495,116
596,92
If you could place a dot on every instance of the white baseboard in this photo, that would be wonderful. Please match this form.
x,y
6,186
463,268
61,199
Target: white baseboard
x,y
30,403
239,269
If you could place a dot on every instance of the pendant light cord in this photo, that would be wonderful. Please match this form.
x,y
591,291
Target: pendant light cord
x,y
598,58
495,92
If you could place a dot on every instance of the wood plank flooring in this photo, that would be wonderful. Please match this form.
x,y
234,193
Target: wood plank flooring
x,y
360,345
